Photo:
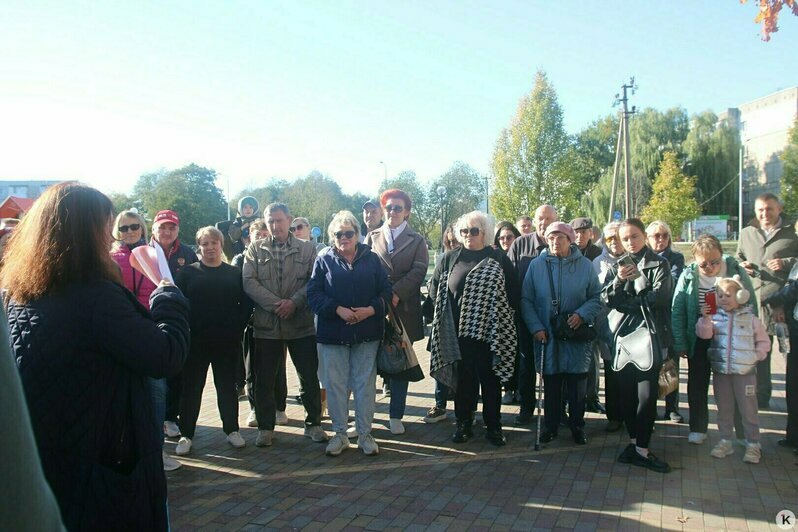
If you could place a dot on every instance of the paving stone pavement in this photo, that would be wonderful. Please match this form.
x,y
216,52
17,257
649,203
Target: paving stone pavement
x,y
423,481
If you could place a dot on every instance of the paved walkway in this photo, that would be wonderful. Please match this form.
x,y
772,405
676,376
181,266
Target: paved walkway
x,y
421,480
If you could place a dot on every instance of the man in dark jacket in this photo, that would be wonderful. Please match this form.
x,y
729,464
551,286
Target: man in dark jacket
x,y
524,249
767,249
165,229
372,218
583,228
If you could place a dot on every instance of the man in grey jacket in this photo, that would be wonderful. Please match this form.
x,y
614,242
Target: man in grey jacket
x,y
767,249
276,273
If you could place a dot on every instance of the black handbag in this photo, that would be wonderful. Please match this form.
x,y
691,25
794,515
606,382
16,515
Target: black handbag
x,y
559,322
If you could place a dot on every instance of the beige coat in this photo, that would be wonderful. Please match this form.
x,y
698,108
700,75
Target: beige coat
x,y
261,284
406,268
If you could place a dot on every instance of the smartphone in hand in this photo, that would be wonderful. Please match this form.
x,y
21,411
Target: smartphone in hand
x,y
711,301
627,260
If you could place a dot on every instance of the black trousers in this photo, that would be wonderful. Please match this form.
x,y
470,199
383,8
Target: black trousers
x,y
281,386
612,393
527,379
594,373
475,369
575,385
792,386
699,372
174,391
266,360
764,384
638,392
222,355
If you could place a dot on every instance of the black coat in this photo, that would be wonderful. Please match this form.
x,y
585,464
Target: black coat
x,y
84,356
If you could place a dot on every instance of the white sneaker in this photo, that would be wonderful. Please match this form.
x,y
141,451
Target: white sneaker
x,y
280,418
169,463
753,453
396,426
351,432
722,449
264,438
337,445
324,412
171,429
368,445
235,439
696,438
316,433
252,419
183,447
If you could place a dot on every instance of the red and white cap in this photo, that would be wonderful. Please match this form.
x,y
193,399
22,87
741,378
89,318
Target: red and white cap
x,y
166,216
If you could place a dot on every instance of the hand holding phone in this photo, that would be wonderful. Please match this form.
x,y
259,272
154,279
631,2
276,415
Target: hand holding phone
x,y
711,301
626,262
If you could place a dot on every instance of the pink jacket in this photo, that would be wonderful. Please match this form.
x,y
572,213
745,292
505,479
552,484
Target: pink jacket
x,y
134,281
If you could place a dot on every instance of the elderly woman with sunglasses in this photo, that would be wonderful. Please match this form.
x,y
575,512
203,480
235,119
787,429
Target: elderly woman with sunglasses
x,y
689,299
405,258
349,293
473,340
130,232
660,240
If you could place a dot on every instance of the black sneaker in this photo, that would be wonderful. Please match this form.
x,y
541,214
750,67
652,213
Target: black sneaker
x,y
463,432
628,454
579,437
547,435
784,442
496,437
524,418
595,406
650,462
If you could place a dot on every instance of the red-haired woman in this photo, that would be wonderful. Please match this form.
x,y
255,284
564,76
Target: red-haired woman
x,y
85,348
405,258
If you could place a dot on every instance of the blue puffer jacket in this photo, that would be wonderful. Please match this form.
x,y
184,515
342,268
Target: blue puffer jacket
x,y
84,355
334,282
578,290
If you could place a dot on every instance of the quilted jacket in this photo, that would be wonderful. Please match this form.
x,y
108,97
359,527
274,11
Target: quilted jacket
x,y
84,355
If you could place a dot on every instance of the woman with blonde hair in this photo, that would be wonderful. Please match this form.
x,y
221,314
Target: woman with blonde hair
x,y
85,348
130,232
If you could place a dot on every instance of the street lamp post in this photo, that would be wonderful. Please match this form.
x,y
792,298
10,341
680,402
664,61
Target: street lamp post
x,y
441,190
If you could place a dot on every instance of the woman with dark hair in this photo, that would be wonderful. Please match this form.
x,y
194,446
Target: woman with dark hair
x,y
85,347
638,290
506,233
473,339
404,256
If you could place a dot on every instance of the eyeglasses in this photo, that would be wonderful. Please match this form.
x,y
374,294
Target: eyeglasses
x,y
473,231
610,239
657,236
127,228
704,265
507,237
344,234
394,208
298,227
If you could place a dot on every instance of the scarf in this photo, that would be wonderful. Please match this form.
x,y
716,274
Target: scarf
x,y
391,234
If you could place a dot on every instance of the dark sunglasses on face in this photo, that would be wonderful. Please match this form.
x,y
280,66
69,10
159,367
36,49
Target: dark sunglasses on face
x,y
298,227
507,237
344,234
394,208
657,236
704,265
131,227
473,231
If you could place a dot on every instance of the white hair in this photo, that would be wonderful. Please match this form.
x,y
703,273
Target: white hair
x,y
475,219
652,228
341,219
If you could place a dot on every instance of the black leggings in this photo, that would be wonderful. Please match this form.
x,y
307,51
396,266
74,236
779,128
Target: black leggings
x,y
638,395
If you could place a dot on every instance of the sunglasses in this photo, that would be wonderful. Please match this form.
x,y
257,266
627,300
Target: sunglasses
x,y
344,234
394,208
127,228
473,231
657,236
507,237
610,239
298,227
705,265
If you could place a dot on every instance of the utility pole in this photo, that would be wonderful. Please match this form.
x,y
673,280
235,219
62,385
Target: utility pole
x,y
615,169
625,114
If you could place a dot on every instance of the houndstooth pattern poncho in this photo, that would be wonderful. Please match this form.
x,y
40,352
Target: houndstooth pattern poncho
x,y
484,314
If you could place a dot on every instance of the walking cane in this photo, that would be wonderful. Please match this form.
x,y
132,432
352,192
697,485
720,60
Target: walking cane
x,y
540,395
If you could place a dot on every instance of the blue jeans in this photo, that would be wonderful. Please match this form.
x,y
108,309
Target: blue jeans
x,y
158,396
396,410
345,368
441,395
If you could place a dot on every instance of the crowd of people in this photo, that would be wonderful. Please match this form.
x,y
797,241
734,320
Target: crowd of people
x,y
112,361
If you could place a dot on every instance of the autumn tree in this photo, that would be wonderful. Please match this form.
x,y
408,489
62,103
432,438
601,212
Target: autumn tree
x,y
532,162
789,179
190,191
712,151
768,16
673,195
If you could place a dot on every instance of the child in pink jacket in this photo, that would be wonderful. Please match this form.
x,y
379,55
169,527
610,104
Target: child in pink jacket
x,y
739,341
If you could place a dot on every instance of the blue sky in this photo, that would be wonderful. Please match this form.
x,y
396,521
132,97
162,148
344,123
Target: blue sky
x,y
106,91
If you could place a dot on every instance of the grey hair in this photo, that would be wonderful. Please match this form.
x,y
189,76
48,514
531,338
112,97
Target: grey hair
x,y
482,220
277,206
652,228
612,226
341,219
129,214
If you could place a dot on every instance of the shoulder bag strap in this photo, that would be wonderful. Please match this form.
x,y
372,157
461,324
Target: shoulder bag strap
x,y
555,303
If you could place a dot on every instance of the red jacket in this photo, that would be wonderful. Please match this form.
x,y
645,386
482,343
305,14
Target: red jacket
x,y
134,280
